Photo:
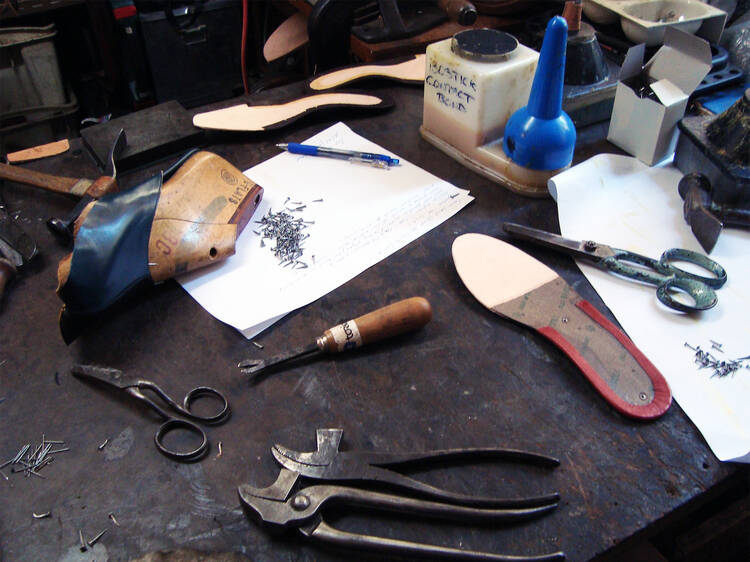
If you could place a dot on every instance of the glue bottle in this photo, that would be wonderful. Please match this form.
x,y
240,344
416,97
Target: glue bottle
x,y
474,81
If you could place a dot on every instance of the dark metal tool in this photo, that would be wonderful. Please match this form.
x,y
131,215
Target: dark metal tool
x,y
63,228
706,218
133,386
16,248
392,320
328,463
289,504
718,146
661,273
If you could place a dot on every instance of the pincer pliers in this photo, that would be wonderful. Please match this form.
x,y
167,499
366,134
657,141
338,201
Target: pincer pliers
x,y
288,503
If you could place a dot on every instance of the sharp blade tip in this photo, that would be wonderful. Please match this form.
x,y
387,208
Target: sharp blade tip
x,y
248,363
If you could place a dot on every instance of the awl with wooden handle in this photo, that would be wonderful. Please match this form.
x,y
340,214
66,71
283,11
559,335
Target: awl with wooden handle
x,y
392,320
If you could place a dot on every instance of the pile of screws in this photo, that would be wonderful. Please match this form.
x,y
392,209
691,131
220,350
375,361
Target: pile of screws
x,y
29,462
287,232
721,368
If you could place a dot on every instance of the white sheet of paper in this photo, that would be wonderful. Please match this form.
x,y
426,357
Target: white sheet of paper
x,y
619,201
365,215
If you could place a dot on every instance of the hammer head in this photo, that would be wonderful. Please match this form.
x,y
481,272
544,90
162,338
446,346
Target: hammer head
x,y
695,190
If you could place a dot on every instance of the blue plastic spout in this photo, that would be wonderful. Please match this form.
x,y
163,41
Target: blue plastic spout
x,y
540,135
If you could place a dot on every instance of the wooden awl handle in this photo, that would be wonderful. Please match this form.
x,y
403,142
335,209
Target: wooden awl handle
x,y
397,318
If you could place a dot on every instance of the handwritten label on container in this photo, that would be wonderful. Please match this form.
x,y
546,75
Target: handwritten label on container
x,y
450,87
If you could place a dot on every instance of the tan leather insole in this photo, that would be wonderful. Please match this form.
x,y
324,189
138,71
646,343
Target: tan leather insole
x,y
517,286
260,117
41,151
411,70
290,35
495,272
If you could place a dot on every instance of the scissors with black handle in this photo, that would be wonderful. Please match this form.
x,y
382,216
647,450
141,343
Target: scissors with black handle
x,y
667,277
134,387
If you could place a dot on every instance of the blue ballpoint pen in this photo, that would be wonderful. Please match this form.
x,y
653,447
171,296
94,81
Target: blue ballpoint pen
x,y
378,160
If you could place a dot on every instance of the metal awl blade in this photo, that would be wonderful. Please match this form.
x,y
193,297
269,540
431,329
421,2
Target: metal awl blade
x,y
256,366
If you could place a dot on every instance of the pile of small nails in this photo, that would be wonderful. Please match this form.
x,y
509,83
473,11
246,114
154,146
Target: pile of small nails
x,y
287,232
31,462
721,368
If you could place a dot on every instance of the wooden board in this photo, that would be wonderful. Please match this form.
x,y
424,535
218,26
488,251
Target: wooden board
x,y
371,52
164,130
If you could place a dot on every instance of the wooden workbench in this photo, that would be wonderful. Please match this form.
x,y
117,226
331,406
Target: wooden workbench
x,y
468,379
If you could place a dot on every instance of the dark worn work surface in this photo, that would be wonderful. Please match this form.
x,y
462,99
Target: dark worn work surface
x,y
470,378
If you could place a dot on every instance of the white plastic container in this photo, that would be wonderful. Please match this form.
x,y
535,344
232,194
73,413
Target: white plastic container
x,y
471,89
468,101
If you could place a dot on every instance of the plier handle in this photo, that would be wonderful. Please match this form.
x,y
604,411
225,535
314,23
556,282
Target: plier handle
x,y
288,503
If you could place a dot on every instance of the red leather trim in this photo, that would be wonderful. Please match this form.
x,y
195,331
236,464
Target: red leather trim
x,y
662,394
124,12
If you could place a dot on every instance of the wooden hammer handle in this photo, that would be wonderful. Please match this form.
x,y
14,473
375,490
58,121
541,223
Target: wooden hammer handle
x,y
392,320
60,184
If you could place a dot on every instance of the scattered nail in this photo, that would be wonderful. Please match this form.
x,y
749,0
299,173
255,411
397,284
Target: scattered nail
x,y
93,541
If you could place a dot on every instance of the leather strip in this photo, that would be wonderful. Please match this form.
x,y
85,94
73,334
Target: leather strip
x,y
110,253
662,392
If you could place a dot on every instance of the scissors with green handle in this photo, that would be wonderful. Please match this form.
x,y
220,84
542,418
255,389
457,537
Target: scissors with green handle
x,y
668,278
